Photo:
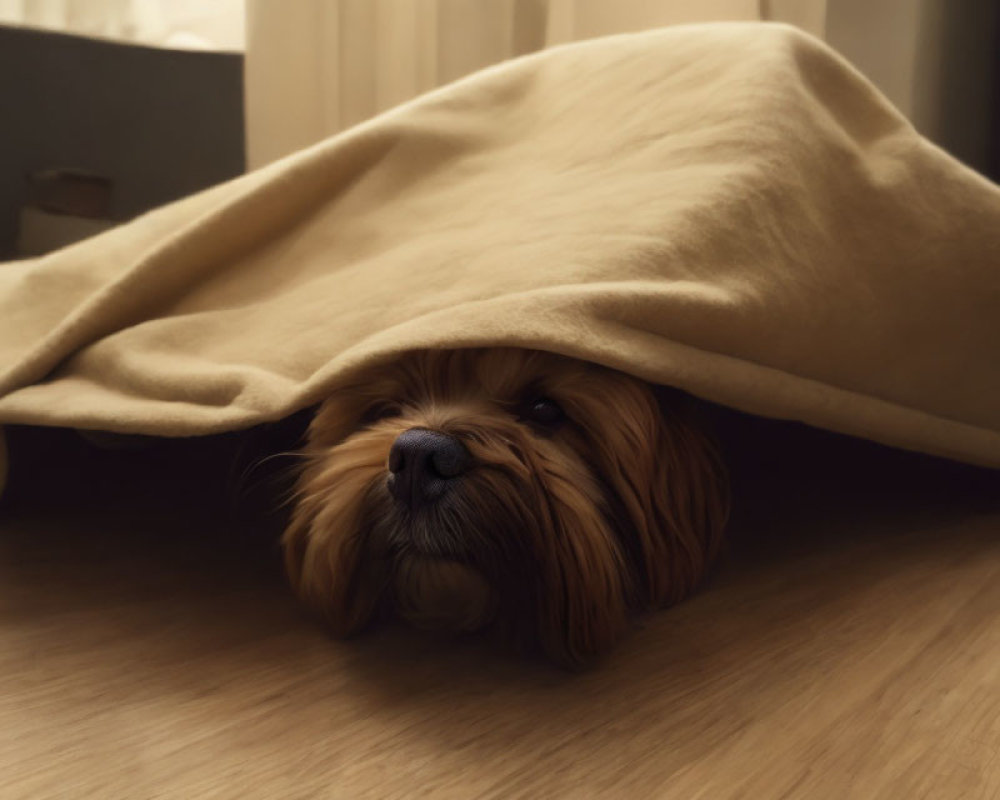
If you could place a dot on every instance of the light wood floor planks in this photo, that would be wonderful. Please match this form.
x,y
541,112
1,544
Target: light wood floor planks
x,y
848,648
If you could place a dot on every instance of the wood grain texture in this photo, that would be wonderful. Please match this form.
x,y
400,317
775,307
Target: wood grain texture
x,y
849,647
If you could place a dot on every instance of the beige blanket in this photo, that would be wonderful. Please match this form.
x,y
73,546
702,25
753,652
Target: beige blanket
x,y
731,209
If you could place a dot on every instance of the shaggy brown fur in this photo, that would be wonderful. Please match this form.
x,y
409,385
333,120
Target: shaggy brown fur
x,y
590,495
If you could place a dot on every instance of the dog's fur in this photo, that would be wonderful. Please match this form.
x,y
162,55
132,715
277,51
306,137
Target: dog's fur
x,y
610,500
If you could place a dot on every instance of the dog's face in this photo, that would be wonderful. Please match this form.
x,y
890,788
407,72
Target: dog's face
x,y
461,488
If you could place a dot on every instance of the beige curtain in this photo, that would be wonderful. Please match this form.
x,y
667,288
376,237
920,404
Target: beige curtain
x,y
315,67
935,59
187,24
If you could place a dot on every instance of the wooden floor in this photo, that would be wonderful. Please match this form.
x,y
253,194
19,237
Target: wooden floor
x,y
849,647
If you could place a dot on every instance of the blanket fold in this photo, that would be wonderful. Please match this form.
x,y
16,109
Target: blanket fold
x,y
727,208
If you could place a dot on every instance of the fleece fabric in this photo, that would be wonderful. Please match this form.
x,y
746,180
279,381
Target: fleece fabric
x,y
728,208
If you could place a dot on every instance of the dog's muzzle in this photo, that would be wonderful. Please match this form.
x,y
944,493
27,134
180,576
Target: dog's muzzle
x,y
423,465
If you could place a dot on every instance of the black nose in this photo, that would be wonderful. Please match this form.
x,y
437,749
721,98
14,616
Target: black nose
x,y
423,463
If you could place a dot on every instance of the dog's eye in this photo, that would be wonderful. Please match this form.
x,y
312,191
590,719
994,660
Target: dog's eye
x,y
380,411
543,411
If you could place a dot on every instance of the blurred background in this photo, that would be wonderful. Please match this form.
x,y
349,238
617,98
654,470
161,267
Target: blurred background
x,y
113,107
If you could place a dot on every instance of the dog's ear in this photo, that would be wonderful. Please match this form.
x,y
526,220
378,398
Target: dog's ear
x,y
324,555
687,507
335,583
671,484
583,607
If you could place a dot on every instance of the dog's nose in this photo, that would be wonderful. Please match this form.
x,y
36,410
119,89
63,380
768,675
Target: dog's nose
x,y
422,463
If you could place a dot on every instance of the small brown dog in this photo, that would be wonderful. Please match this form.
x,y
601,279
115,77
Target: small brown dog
x,y
545,495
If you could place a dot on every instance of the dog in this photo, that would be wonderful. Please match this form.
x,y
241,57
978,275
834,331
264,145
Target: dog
x,y
544,496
